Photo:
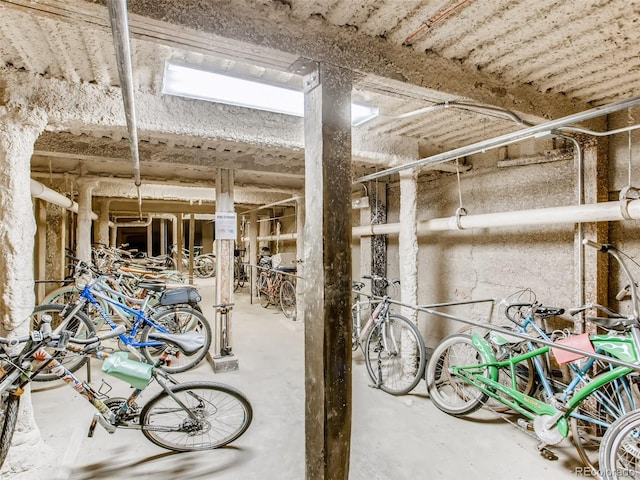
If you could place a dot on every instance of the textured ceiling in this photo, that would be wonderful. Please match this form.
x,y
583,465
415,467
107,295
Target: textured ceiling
x,y
528,61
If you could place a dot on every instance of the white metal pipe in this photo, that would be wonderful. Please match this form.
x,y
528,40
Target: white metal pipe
x,y
598,212
38,190
145,223
507,139
122,43
273,238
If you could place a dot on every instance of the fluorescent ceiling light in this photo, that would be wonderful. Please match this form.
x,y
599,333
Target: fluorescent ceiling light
x,y
192,82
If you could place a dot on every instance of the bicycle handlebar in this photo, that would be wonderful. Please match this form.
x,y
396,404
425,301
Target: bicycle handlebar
x,y
378,278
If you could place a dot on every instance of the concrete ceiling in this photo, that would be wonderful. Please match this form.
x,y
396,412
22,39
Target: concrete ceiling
x,y
528,61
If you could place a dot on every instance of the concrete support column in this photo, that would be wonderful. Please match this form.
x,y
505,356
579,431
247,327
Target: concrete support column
x,y
103,222
83,246
40,252
408,242
192,239
56,242
327,247
178,240
19,129
364,259
300,281
253,250
596,189
150,239
264,230
113,236
224,359
378,202
163,236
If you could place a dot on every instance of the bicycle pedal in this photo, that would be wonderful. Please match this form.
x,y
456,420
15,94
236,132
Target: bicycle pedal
x,y
546,453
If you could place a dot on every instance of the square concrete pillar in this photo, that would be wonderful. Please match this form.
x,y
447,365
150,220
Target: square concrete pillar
x,y
327,268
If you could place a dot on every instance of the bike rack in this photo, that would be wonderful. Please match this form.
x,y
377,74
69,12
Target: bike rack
x,y
430,310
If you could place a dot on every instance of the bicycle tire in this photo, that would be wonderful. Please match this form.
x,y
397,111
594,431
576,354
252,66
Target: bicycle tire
x,y
204,265
236,276
263,290
395,355
288,299
604,406
177,320
80,327
244,276
223,415
450,394
525,371
9,404
61,295
620,450
69,293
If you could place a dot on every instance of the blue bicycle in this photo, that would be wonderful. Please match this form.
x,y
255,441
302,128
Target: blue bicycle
x,y
142,320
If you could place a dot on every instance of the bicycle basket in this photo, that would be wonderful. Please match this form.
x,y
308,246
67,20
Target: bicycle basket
x,y
181,295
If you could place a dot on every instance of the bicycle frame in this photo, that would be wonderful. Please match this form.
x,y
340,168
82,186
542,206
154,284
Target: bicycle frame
x,y
622,347
90,294
581,374
379,312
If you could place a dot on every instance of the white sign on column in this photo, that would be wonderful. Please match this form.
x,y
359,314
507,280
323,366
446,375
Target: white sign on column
x,y
226,226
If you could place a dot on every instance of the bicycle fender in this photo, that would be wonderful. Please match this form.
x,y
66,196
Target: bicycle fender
x,y
618,346
487,354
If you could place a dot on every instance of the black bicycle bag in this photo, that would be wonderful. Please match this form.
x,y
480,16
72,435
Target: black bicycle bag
x,y
180,295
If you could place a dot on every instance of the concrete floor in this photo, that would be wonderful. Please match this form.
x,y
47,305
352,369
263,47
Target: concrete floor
x,y
392,437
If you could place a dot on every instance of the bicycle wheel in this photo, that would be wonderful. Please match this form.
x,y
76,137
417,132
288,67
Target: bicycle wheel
x,y
263,290
8,415
80,327
215,416
596,413
449,393
205,265
288,299
620,449
236,276
244,276
525,376
60,296
177,320
395,355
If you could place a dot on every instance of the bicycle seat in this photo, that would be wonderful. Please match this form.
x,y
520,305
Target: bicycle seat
x,y
543,311
619,324
153,286
286,269
357,285
188,343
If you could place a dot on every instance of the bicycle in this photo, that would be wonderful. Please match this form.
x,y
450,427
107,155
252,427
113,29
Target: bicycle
x,y
240,273
620,452
463,373
204,265
181,417
177,319
275,288
394,350
288,292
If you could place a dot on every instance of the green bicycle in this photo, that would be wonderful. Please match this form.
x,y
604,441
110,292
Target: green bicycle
x,y
464,372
